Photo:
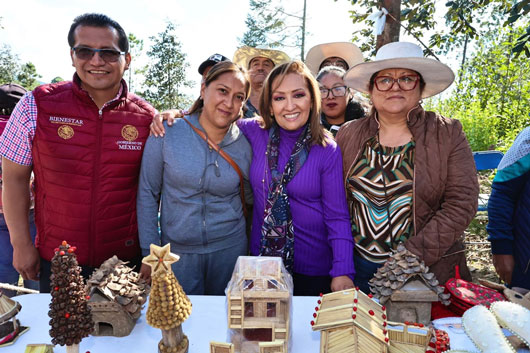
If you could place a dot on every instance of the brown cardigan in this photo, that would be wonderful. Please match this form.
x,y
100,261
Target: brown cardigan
x,y
445,187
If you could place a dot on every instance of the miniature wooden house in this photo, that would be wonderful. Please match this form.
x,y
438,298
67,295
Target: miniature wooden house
x,y
351,322
407,288
116,298
259,305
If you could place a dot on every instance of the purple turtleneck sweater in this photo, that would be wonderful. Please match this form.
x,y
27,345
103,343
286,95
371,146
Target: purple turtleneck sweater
x,y
323,242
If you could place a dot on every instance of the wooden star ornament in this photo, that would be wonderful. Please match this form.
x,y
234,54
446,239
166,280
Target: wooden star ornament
x,y
160,258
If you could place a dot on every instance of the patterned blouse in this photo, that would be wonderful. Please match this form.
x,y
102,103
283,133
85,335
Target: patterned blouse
x,y
376,199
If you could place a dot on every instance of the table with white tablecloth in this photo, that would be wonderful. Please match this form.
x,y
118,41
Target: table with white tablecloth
x,y
207,322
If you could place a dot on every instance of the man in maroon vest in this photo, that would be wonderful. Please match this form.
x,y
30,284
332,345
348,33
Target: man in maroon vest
x,y
83,140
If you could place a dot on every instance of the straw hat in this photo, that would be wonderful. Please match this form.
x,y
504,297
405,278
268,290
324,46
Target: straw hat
x,y
347,51
402,55
245,54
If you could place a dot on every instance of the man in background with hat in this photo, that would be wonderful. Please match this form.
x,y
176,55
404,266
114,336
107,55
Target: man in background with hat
x,y
207,64
258,62
83,140
10,94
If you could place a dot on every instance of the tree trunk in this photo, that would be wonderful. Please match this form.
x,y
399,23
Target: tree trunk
x,y
172,337
392,27
74,348
302,47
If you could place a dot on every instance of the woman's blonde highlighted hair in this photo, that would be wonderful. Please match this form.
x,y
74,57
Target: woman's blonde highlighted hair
x,y
276,76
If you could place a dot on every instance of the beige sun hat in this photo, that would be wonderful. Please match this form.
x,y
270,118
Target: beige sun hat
x,y
402,55
347,51
245,54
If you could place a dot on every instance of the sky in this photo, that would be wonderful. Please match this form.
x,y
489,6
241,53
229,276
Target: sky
x,y
37,32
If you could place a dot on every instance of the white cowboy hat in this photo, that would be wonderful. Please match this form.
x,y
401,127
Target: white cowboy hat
x,y
347,51
245,54
402,55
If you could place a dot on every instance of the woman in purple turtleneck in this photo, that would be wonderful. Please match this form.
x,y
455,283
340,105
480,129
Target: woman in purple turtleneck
x,y
300,209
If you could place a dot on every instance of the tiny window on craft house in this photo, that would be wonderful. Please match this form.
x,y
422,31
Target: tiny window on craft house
x,y
249,309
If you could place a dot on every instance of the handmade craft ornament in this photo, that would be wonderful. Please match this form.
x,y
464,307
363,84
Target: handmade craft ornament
x,y
481,326
513,317
168,304
70,315
160,258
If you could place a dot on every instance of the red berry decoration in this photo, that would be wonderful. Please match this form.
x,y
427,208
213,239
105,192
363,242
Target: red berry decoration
x,y
353,316
321,294
383,308
371,312
384,332
356,288
319,302
316,308
56,288
387,339
420,325
70,250
384,317
355,300
355,309
67,315
314,314
61,253
370,295
384,323
312,323
407,323
87,297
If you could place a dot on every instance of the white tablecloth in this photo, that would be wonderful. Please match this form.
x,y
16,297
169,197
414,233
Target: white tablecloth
x,y
207,322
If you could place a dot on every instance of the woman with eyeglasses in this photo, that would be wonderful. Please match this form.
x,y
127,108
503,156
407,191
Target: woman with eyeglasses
x,y
409,173
197,187
338,104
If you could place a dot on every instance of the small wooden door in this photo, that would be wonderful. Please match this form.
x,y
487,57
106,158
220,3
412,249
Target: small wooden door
x,y
221,347
272,347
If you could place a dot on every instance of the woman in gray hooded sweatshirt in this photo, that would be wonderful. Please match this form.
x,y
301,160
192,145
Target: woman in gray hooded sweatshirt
x,y
197,190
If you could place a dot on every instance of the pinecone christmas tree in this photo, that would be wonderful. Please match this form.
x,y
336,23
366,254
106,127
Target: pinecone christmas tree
x,y
169,306
71,319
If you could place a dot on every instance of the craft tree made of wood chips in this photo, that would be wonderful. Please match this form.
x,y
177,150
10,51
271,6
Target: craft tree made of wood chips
x,y
168,306
71,319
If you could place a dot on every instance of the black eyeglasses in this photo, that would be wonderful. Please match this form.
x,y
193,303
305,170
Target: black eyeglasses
x,y
338,91
107,55
406,83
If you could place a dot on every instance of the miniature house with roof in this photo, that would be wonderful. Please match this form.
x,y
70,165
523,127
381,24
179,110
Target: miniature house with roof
x,y
259,305
116,298
10,328
349,321
407,288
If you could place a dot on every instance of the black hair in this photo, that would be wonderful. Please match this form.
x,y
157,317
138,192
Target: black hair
x,y
98,20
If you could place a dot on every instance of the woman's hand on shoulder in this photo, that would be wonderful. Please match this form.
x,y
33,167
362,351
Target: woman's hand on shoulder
x,y
341,283
157,125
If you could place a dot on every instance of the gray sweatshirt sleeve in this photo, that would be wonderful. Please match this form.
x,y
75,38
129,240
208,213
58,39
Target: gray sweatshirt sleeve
x,y
149,190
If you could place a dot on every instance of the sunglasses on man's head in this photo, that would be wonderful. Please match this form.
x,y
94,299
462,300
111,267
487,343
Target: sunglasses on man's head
x,y
107,55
